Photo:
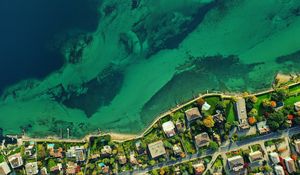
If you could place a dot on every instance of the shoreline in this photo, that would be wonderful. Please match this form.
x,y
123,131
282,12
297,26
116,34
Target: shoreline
x,y
122,137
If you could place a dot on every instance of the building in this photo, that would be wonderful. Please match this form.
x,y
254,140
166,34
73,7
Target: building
x,y
236,163
56,168
279,170
297,106
218,118
77,152
29,149
156,149
199,168
4,168
297,145
180,126
139,148
132,159
192,114
57,153
205,107
255,156
44,171
31,168
106,150
169,128
15,160
122,159
202,139
274,157
262,127
71,168
217,138
240,107
177,150
290,165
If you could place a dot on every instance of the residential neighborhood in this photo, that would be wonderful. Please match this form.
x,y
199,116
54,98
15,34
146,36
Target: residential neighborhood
x,y
213,134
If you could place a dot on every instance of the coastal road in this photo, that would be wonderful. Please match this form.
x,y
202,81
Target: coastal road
x,y
223,149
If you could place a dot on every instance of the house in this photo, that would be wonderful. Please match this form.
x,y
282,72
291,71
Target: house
x,y
192,114
236,163
169,128
156,149
57,153
180,126
297,145
255,156
133,159
205,107
177,150
106,150
218,118
56,168
122,159
290,165
217,138
199,168
44,171
202,139
138,147
15,160
31,168
297,106
77,152
29,149
274,157
4,168
71,168
279,170
262,127
240,107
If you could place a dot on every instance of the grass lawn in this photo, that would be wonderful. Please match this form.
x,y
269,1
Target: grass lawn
x,y
1,158
292,100
154,135
218,163
294,89
256,147
230,113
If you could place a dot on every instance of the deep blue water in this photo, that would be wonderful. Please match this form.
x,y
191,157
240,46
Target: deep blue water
x,y
27,30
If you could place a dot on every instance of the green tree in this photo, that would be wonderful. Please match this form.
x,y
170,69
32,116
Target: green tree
x,y
213,145
273,125
253,112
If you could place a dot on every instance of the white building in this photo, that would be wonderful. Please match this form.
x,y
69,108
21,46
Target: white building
x,y
31,168
255,156
4,168
297,106
205,107
169,128
240,107
274,157
279,170
290,165
15,160
297,145
236,163
78,152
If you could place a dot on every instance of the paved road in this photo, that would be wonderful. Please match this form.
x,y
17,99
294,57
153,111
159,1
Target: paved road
x,y
223,149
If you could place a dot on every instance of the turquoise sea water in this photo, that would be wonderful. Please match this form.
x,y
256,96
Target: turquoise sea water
x,y
142,57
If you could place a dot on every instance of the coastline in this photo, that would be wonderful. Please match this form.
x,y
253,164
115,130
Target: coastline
x,y
122,137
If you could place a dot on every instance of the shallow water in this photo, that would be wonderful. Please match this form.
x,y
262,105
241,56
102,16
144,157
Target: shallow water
x,y
148,56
